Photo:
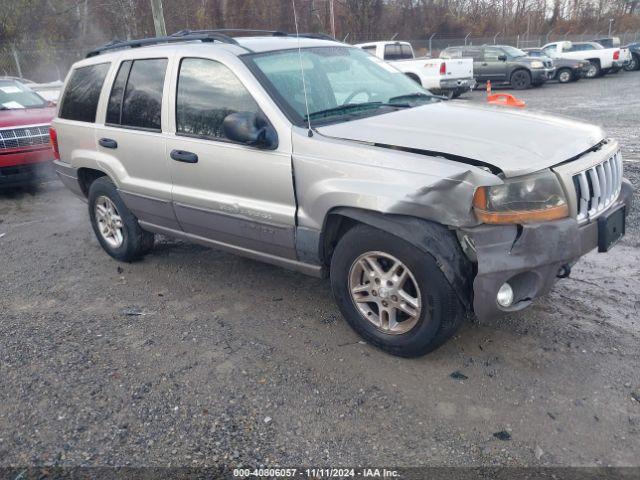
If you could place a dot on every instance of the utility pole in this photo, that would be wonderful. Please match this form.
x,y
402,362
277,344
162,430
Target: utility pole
x,y
333,19
158,18
610,25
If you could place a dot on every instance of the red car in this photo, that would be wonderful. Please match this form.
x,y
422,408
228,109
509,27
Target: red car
x,y
24,133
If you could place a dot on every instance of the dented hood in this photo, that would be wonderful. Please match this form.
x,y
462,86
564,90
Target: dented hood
x,y
514,141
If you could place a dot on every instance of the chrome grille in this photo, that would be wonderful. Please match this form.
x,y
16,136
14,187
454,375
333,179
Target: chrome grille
x,y
598,187
24,136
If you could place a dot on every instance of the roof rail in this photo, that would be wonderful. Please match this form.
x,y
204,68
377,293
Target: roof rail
x,y
274,33
181,36
215,35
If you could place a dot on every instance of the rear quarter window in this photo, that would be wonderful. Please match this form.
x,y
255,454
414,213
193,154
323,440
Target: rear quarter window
x,y
80,100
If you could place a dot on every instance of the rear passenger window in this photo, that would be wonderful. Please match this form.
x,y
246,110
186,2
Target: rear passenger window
x,y
81,96
208,92
114,107
136,95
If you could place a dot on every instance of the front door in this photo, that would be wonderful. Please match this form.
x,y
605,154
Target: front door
x,y
494,69
223,191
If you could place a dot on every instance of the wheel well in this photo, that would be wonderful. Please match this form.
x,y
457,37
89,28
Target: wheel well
x,y
86,176
414,77
595,60
335,227
520,70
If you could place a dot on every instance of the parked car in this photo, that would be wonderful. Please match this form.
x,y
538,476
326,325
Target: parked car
x,y
567,70
451,78
24,133
418,209
601,59
503,64
634,62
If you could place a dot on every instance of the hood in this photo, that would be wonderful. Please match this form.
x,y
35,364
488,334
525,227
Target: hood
x,y
26,116
513,141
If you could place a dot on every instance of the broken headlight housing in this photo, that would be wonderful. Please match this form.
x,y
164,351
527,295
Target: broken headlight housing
x,y
527,199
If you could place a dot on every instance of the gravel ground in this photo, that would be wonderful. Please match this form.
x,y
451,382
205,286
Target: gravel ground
x,y
196,357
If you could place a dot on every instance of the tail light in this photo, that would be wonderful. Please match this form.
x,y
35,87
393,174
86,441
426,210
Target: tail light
x,y
53,136
616,55
443,68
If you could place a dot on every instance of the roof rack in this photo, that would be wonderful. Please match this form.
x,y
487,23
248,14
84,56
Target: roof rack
x,y
216,35
181,36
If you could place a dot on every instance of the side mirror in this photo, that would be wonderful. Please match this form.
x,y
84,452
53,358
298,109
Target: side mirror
x,y
502,58
250,129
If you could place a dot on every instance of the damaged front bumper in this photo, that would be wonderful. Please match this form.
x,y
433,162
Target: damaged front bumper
x,y
529,257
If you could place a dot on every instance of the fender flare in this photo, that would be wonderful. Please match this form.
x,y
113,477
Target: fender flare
x,y
431,238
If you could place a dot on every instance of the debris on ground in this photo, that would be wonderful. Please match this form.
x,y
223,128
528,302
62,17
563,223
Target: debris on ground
x,y
458,375
502,435
134,312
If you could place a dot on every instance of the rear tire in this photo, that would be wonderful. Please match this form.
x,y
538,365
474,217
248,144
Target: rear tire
x,y
116,228
521,80
564,75
439,313
594,70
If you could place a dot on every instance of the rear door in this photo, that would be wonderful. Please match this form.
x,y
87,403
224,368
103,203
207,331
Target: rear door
x,y
227,192
132,143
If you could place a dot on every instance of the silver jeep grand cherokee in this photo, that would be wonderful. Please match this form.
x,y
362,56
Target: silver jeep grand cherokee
x,y
313,155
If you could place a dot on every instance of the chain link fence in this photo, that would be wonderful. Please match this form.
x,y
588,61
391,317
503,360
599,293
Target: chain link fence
x,y
432,44
43,65
39,65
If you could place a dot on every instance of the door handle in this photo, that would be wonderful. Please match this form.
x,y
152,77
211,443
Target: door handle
x,y
108,143
184,156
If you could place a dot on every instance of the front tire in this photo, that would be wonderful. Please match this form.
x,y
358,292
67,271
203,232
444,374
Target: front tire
x,y
116,228
564,75
393,294
634,64
521,80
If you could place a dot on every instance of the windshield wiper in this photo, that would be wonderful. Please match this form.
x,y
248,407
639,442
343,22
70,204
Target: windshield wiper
x,y
350,107
411,96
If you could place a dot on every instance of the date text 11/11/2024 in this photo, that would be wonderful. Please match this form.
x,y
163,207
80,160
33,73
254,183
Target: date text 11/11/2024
x,y
315,472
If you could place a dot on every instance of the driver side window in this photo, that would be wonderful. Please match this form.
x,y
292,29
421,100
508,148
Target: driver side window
x,y
492,54
208,92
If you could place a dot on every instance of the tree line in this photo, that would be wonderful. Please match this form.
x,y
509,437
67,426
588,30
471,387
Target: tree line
x,y
88,23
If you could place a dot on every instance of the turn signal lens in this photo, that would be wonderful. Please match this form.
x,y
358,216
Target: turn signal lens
x,y
529,199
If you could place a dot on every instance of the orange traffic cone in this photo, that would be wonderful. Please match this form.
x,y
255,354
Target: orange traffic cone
x,y
504,99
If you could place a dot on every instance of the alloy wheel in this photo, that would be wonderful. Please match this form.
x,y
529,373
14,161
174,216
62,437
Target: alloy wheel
x,y
564,76
385,292
109,221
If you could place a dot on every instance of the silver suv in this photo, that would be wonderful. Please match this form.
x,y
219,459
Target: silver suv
x,y
313,155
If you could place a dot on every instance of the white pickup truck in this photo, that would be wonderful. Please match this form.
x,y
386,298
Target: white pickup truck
x,y
602,59
451,77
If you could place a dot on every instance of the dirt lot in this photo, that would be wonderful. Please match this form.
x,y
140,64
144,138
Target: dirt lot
x,y
235,362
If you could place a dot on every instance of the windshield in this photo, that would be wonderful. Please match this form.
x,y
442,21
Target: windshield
x,y
513,52
341,83
16,95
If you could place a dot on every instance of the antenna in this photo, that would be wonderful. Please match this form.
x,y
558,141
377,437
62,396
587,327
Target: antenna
x,y
304,84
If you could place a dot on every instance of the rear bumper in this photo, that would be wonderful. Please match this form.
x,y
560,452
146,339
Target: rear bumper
x,y
69,176
530,259
457,85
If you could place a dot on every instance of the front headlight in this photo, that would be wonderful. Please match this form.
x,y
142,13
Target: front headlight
x,y
537,64
528,199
